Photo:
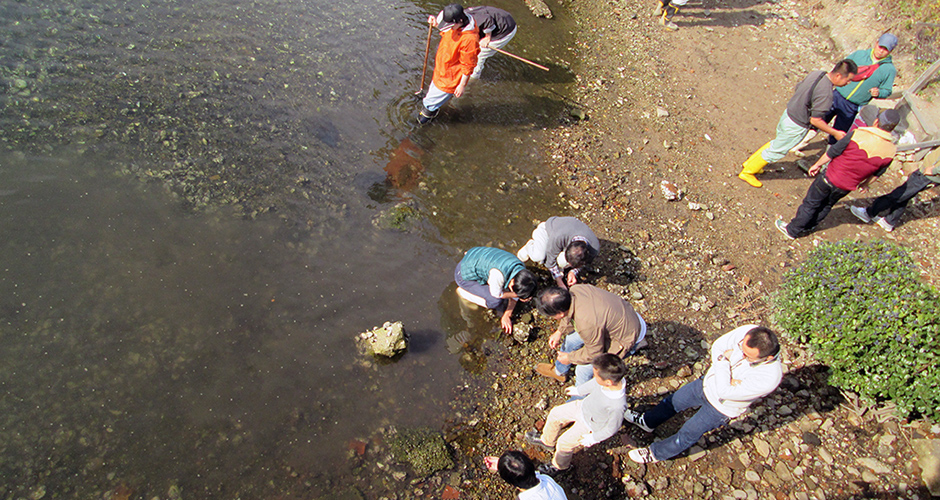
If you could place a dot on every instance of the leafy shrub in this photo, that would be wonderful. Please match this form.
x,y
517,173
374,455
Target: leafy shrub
x,y
864,310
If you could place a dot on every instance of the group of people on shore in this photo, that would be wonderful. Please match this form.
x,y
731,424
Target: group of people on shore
x,y
596,331
861,143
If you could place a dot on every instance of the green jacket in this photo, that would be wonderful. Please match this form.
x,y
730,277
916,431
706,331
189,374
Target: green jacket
x,y
478,261
860,92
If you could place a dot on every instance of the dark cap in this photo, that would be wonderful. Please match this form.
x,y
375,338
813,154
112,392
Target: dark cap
x,y
868,114
451,16
888,119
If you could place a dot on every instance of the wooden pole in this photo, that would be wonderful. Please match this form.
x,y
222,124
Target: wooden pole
x,y
503,52
424,70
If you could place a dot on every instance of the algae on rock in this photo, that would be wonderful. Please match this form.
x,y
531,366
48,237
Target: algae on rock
x,y
423,449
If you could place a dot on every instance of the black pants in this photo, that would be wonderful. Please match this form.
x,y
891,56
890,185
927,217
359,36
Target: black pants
x,y
896,201
844,111
819,200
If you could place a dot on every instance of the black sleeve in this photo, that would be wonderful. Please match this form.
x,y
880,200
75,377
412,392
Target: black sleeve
x,y
839,147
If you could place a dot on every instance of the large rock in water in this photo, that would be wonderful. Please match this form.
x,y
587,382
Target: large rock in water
x,y
388,340
539,8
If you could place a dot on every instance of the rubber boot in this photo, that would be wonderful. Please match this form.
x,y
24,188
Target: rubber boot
x,y
426,115
669,12
660,7
754,165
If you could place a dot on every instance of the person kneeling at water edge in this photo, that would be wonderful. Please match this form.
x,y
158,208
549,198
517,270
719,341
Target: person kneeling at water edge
x,y
745,367
560,243
518,470
489,277
595,414
455,60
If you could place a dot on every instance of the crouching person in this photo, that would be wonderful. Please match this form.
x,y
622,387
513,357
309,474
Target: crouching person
x,y
745,367
518,470
595,414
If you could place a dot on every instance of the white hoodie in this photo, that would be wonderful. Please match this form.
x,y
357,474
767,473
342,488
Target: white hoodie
x,y
756,379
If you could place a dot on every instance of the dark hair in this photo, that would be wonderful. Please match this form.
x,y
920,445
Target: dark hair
x,y
517,469
554,300
524,283
609,367
578,254
845,67
888,119
453,13
764,340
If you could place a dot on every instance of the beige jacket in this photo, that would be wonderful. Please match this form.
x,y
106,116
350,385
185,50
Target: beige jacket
x,y
605,321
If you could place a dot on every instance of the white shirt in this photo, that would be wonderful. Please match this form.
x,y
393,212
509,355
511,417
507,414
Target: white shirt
x,y
547,489
756,379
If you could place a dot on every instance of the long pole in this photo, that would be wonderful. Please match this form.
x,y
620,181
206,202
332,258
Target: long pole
x,y
503,52
424,70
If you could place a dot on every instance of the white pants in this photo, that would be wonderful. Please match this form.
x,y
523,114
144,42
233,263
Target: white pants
x,y
436,98
488,52
536,248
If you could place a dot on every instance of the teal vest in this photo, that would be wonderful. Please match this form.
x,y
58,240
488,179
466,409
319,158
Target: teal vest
x,y
478,261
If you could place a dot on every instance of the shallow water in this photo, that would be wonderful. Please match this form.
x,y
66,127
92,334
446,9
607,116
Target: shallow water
x,y
186,203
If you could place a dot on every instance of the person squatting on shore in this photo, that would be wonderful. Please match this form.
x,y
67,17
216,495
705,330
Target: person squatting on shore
x,y
595,414
745,367
518,471
454,61
896,201
606,324
494,278
811,101
559,243
859,157
497,27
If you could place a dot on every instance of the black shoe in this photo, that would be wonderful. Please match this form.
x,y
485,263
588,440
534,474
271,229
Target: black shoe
x,y
425,115
548,470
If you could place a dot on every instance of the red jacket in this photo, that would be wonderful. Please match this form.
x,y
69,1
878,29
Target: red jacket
x,y
456,56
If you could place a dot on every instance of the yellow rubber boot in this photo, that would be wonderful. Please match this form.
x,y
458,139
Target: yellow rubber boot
x,y
754,165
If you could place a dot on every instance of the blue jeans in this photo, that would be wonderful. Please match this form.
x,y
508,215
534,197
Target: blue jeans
x,y
690,395
436,98
896,201
582,373
844,111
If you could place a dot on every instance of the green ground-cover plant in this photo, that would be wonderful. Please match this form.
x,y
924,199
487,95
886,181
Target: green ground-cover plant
x,y
867,314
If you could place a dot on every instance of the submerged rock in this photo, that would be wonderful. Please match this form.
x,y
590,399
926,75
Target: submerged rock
x,y
539,8
402,217
423,449
388,340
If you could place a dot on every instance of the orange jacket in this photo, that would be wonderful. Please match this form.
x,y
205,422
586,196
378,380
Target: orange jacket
x,y
456,56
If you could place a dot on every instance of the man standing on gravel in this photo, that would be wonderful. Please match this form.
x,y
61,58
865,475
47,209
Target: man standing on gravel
x,y
605,322
745,367
809,104
859,157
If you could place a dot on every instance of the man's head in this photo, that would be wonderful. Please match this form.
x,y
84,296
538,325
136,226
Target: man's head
x,y
886,43
554,302
887,120
517,469
609,369
760,344
523,284
452,16
843,72
578,254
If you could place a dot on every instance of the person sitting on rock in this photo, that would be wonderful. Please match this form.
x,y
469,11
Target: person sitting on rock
x,y
595,414
745,367
518,470
606,323
559,243
494,279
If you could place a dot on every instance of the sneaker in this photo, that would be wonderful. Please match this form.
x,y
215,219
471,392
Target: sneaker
x,y
636,418
548,370
861,213
883,223
534,438
782,226
669,25
548,470
642,456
